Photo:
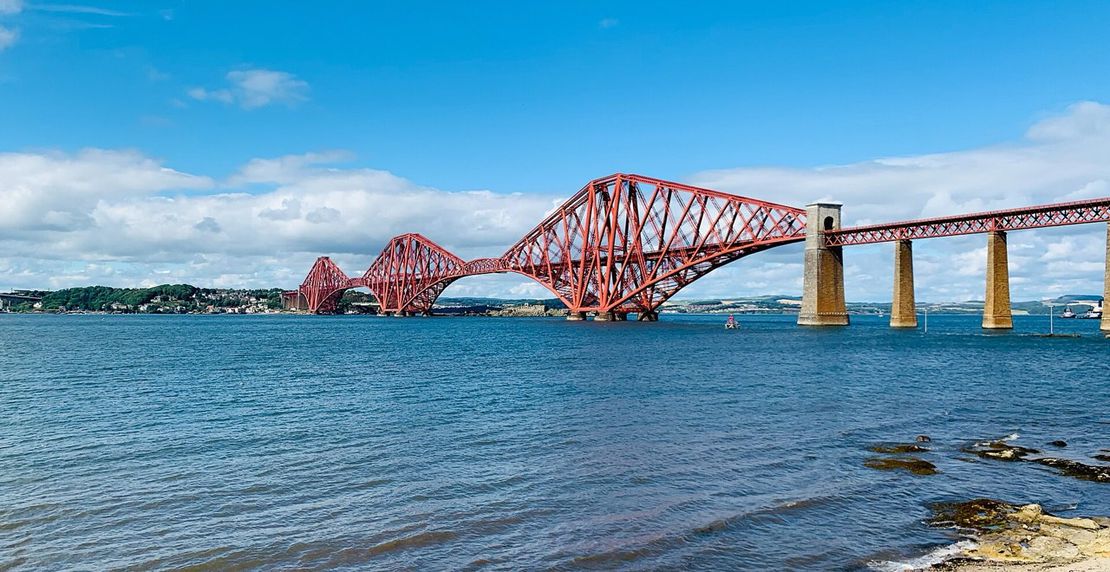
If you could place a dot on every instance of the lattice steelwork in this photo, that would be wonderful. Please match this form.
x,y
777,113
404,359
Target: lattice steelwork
x,y
627,243
1061,214
324,285
624,243
411,273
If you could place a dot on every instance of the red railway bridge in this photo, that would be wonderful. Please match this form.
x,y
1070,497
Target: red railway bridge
x,y
624,244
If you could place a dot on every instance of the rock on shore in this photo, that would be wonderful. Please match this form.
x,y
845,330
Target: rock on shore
x,y
1010,537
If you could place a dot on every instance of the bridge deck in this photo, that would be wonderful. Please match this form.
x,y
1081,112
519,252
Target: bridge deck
x,y
1060,214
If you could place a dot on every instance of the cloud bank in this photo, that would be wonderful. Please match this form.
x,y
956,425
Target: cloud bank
x,y
118,217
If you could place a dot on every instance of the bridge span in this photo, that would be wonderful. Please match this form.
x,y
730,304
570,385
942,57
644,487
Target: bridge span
x,y
11,299
624,244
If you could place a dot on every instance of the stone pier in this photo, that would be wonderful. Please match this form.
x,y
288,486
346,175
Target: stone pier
x,y
648,316
1105,326
903,308
576,316
823,285
298,302
996,311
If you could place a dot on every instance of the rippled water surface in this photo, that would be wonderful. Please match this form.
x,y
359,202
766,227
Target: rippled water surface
x,y
282,442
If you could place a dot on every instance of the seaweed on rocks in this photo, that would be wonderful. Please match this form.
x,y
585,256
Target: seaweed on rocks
x,y
977,514
1076,469
1000,450
911,464
898,448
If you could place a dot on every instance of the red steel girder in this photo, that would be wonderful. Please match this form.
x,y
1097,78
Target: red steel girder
x,y
628,243
1060,214
410,273
621,243
324,285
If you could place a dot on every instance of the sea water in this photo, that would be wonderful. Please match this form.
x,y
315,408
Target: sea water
x,y
352,442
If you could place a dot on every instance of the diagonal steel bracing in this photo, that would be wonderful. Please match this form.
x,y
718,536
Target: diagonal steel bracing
x,y
627,243
623,243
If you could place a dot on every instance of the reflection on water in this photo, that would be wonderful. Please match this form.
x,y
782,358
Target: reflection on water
x,y
354,442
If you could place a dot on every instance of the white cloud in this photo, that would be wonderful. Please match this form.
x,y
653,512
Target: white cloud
x,y
121,218
155,74
59,192
1062,158
78,9
254,88
11,6
8,37
201,94
95,208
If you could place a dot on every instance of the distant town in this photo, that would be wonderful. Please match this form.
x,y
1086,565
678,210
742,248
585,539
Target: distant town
x,y
187,299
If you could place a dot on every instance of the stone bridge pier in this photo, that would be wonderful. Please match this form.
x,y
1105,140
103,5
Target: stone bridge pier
x,y
1105,326
823,283
903,307
997,313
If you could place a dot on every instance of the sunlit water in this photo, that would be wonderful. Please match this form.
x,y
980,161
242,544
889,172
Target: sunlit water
x,y
281,442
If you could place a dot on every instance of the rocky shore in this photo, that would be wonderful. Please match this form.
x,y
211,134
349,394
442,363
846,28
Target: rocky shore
x,y
1004,536
1010,537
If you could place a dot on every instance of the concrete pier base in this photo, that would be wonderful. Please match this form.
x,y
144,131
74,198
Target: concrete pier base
x,y
606,317
823,286
576,316
648,316
903,308
997,314
1105,326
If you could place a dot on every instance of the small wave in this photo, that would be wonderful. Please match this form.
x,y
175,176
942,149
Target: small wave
x,y
773,511
925,561
414,541
1006,439
612,557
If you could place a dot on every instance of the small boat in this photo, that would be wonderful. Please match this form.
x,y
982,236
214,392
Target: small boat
x,y
731,324
1067,313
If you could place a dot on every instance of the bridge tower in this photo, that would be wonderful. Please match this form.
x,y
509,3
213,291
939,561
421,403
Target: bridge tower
x,y
823,284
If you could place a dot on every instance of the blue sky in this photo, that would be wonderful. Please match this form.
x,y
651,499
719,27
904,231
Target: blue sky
x,y
532,98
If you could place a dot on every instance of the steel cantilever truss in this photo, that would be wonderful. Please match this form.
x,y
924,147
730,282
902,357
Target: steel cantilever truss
x,y
323,286
627,243
623,243
411,273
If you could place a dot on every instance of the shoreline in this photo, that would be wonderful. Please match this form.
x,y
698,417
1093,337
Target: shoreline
x,y
1093,564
